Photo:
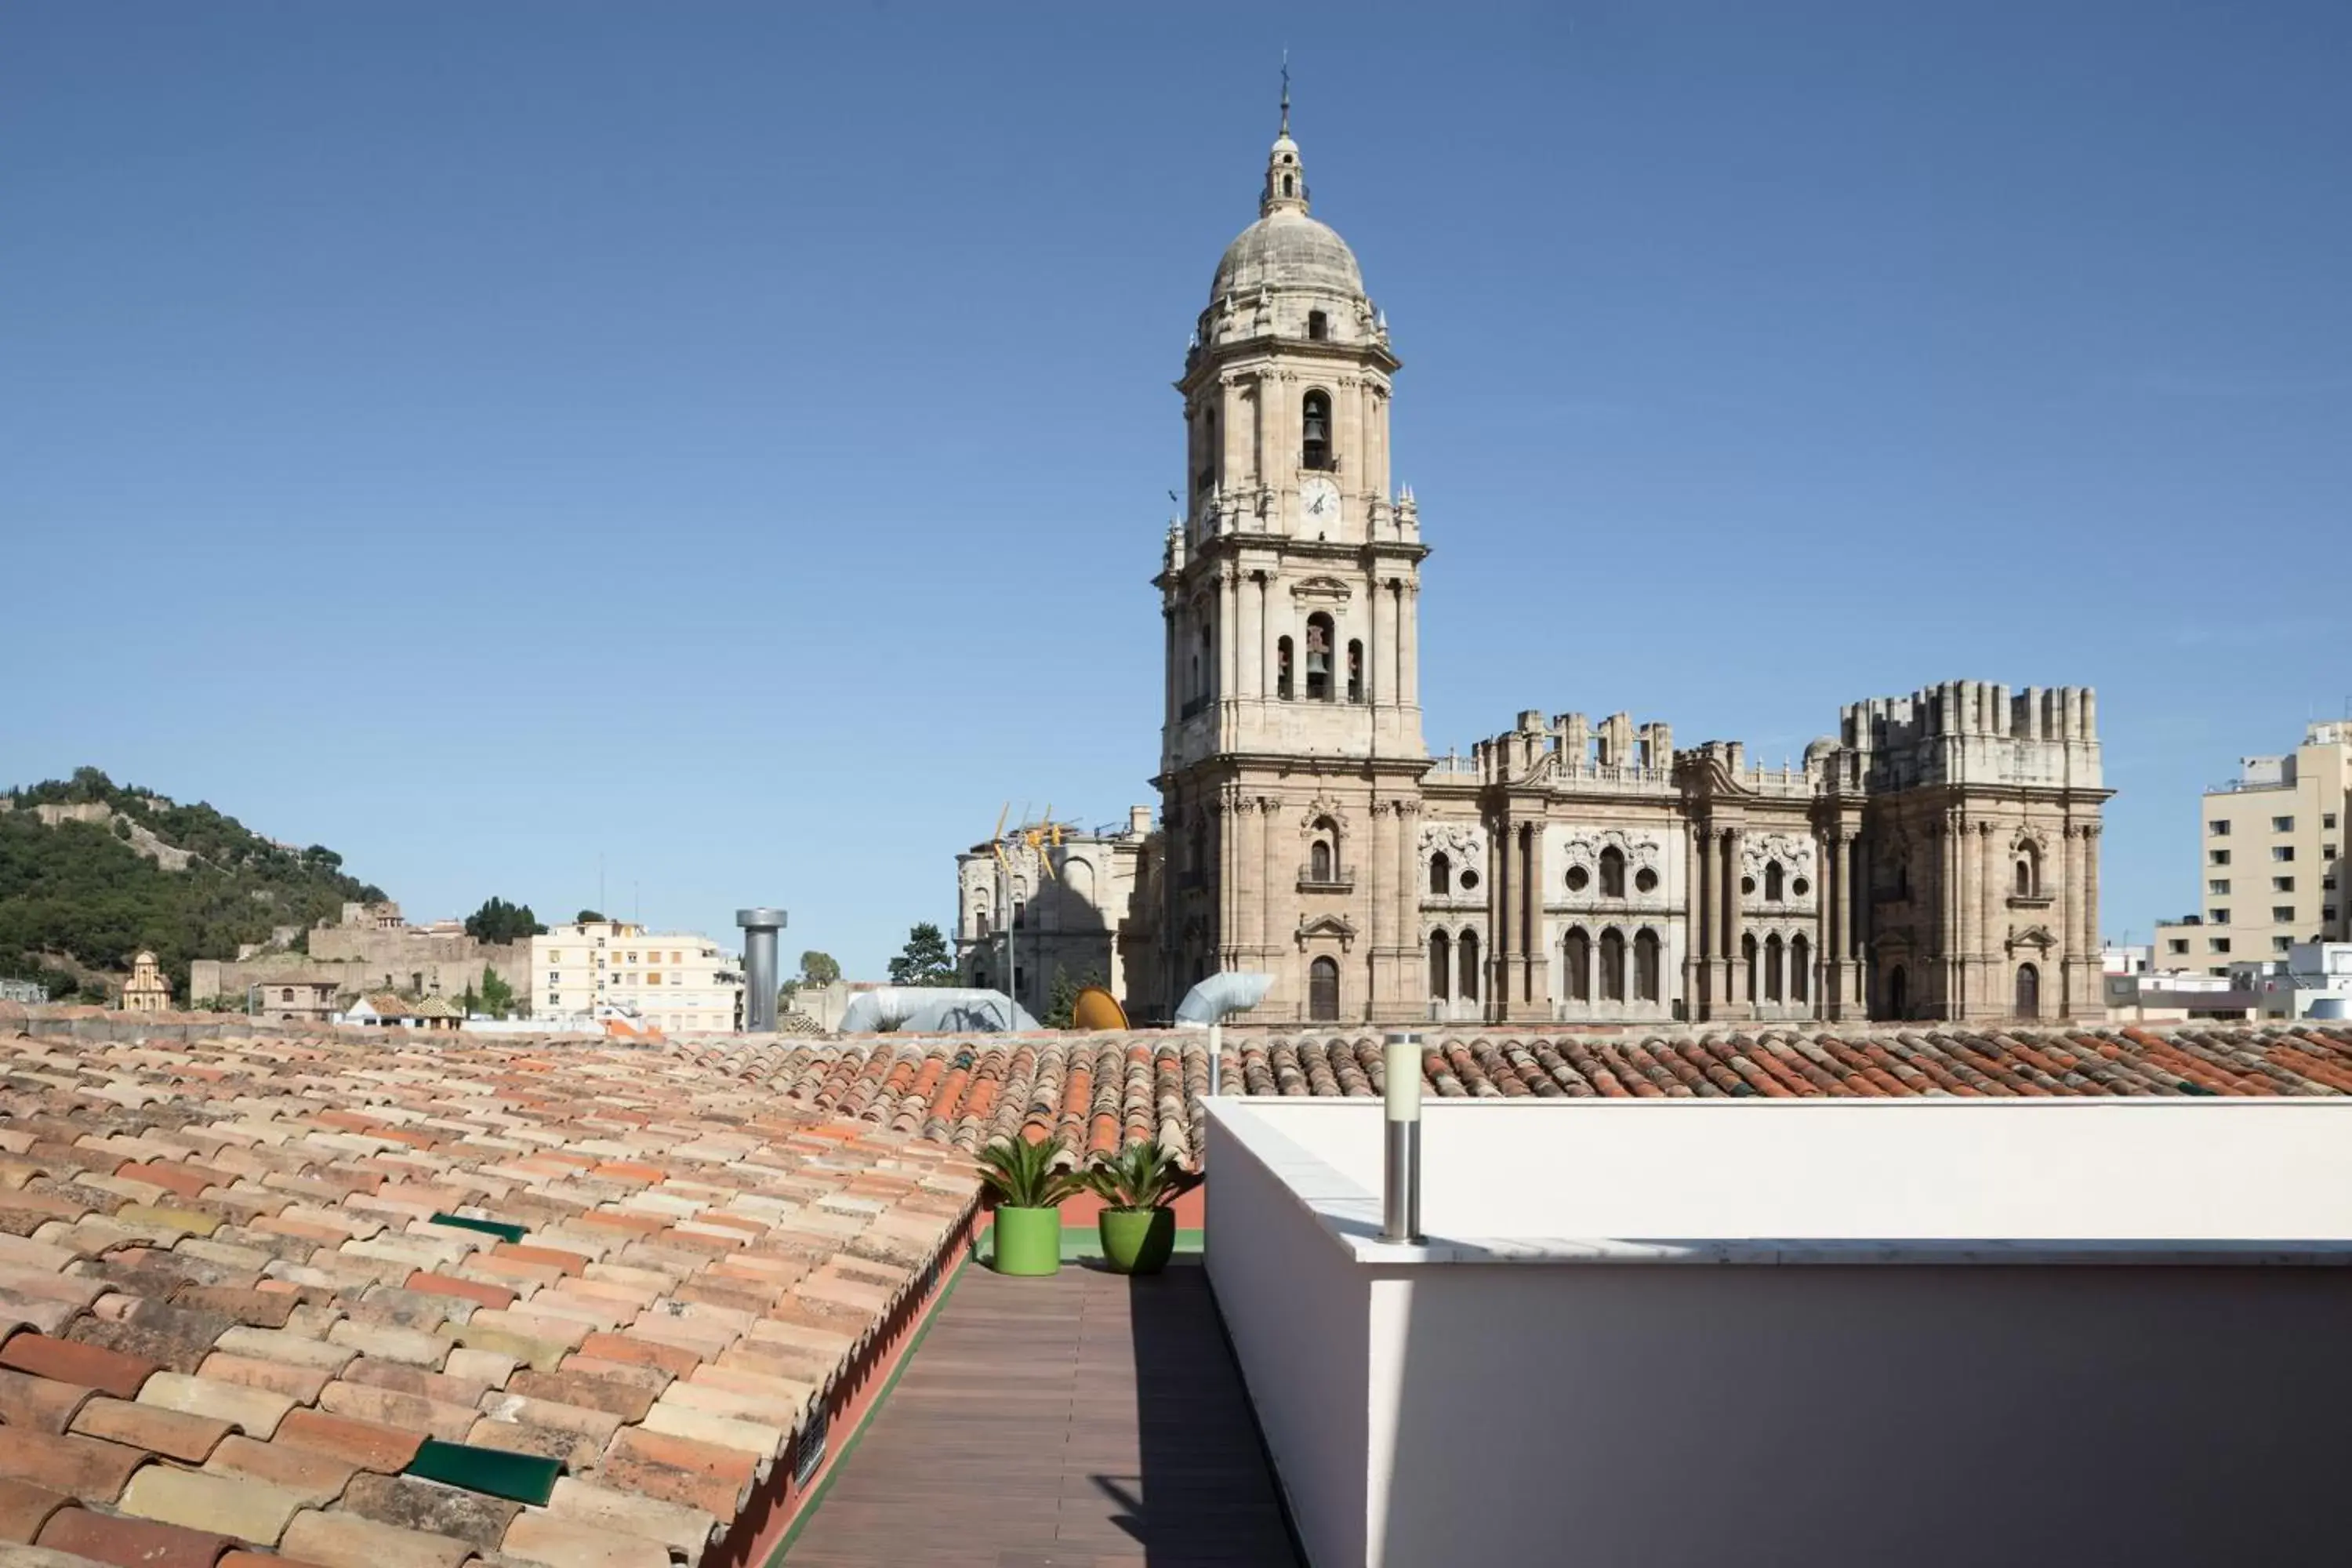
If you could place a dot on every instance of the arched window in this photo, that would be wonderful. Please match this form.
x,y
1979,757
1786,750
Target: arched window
x,y
1747,951
1323,853
1200,867
1355,671
2029,991
1318,658
2029,870
1323,991
1771,881
1441,965
1319,325
1773,955
1800,969
1612,873
1206,667
1646,966
1281,669
1441,875
1612,966
980,923
1577,954
1314,431
287,994
1467,947
1898,993
1289,185
1019,914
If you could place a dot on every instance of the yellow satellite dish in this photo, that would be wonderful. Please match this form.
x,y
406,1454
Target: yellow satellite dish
x,y
1097,1008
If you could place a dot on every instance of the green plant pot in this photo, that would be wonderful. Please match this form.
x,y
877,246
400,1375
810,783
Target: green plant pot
x,y
1028,1241
1138,1241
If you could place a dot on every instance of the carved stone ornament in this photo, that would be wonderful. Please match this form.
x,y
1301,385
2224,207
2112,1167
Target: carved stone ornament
x,y
2036,937
1316,810
1322,589
1584,848
1462,843
1795,854
1327,928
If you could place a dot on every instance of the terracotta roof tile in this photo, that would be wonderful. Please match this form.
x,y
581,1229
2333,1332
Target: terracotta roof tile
x,y
228,1256
84,1467
24,1508
131,1543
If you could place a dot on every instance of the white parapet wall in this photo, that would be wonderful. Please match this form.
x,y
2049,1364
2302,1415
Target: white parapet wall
x,y
1752,1332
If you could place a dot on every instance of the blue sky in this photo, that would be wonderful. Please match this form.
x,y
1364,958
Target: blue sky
x,y
729,443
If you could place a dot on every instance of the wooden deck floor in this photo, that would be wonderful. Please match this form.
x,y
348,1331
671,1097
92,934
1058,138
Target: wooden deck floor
x,y
1082,1421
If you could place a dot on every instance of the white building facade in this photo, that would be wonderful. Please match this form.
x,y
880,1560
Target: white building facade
x,y
679,982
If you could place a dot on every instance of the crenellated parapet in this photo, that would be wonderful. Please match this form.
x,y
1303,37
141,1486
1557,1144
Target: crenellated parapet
x,y
1975,733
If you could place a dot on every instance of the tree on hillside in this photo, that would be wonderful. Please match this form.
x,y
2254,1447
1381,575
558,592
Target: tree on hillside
x,y
499,922
925,960
818,968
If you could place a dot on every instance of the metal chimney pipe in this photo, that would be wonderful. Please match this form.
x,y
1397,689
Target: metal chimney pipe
x,y
760,982
1401,1183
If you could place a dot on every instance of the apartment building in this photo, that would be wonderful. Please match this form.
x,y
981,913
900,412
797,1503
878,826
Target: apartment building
x,y
2271,859
679,981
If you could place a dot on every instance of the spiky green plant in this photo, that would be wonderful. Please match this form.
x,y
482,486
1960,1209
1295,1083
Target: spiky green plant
x,y
1021,1175
1140,1176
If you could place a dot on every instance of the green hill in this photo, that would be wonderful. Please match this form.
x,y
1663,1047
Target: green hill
x,y
110,870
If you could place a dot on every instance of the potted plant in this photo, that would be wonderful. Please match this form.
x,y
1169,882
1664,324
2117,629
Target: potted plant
x,y
1029,1193
1137,1227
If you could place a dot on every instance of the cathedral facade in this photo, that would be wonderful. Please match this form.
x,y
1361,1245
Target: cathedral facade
x,y
1936,858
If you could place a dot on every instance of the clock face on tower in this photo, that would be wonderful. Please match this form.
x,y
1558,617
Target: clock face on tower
x,y
1319,500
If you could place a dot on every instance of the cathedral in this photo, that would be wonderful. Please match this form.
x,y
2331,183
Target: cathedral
x,y
1938,857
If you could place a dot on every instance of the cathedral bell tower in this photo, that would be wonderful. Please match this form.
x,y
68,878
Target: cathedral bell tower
x,y
1291,748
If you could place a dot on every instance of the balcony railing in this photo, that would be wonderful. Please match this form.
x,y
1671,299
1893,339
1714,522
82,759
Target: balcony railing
x,y
1328,879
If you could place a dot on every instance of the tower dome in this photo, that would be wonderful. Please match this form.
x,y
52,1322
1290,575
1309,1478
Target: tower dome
x,y
1285,249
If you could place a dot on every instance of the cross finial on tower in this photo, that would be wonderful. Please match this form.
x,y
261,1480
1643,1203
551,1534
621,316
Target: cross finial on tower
x,y
1286,92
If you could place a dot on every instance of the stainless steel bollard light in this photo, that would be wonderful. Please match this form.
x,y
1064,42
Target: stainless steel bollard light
x,y
1401,1192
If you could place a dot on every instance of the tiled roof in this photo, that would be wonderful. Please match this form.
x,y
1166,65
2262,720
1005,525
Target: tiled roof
x,y
1093,1093
315,1297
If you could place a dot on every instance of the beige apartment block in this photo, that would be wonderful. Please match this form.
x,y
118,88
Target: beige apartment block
x,y
1935,857
679,981
2271,860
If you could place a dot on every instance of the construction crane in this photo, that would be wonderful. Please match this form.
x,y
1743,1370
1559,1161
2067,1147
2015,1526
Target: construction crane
x,y
1037,838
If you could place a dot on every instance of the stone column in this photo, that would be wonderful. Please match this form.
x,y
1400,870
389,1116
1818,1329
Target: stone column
x,y
1735,923
1228,630
1376,652
1168,616
1409,642
1272,894
1967,1000
1348,413
1700,923
2084,997
1249,901
1991,939
1381,874
1534,952
1409,978
1261,390
1495,982
1839,887
1250,636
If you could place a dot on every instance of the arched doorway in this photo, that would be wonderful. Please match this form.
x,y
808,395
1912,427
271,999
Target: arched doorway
x,y
1323,991
1440,964
2029,991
